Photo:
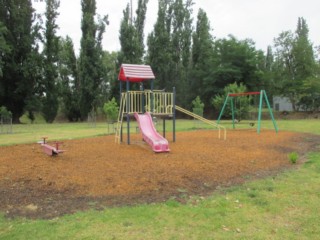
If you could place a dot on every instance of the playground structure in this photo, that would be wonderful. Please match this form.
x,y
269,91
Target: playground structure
x,y
50,150
146,103
150,134
262,94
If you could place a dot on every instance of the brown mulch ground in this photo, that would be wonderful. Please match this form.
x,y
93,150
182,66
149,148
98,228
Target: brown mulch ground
x,y
96,172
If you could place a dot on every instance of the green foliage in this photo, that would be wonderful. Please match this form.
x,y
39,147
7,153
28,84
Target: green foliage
x,y
111,110
19,50
241,103
50,52
293,157
235,61
169,47
110,86
130,38
91,69
4,113
202,54
198,106
70,85
310,99
139,26
159,54
4,47
295,65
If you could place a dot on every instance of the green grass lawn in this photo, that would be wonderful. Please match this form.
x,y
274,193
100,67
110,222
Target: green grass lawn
x,y
29,133
280,207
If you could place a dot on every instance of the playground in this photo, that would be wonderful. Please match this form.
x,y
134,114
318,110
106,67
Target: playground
x,y
97,173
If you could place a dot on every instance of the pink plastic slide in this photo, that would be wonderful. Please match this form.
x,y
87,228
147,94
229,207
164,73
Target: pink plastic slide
x,y
150,134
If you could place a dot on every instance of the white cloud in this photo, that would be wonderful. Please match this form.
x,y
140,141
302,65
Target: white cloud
x,y
260,20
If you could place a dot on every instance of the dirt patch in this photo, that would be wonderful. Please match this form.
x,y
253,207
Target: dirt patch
x,y
96,172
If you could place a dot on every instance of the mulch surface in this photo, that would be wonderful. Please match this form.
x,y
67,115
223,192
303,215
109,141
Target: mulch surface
x,y
97,173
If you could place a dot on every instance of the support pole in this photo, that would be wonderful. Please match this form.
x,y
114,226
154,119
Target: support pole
x,y
222,110
164,127
174,115
270,110
128,111
143,109
121,130
232,112
152,98
260,112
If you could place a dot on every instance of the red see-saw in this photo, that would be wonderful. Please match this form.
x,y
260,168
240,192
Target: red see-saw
x,y
50,150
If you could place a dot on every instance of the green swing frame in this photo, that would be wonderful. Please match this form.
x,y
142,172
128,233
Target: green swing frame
x,y
263,95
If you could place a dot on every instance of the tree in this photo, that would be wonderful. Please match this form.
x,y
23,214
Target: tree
x,y
159,54
4,47
197,106
295,62
169,46
241,104
202,54
235,61
110,61
69,80
181,47
139,26
303,51
131,35
111,110
50,52
20,64
91,70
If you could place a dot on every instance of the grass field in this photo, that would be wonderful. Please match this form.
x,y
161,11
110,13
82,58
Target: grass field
x,y
29,133
279,207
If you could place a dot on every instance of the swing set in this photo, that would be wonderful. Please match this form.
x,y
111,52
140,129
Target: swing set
x,y
263,96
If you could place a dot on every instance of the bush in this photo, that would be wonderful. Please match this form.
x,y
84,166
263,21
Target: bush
x,y
4,113
111,110
293,157
197,106
241,104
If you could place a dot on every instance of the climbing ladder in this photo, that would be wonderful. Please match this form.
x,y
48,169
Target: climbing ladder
x,y
211,123
120,117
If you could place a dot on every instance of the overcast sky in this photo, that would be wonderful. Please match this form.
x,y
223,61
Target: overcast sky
x,y
259,20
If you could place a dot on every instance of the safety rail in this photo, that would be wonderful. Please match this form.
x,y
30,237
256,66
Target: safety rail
x,y
120,117
155,102
204,120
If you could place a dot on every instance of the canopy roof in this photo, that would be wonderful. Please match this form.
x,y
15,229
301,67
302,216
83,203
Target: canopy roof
x,y
135,73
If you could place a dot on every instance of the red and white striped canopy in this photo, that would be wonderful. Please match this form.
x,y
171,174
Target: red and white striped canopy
x,y
135,73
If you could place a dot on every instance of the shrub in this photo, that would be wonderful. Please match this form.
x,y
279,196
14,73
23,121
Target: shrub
x,y
198,106
293,157
111,110
4,113
241,104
